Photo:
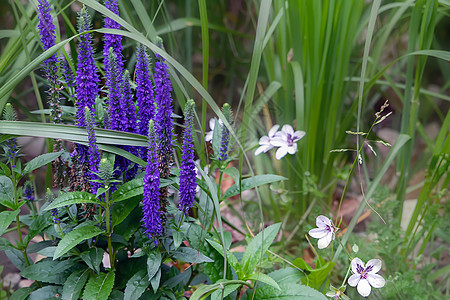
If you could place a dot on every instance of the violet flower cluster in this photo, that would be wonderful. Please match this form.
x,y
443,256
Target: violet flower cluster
x,y
188,174
46,30
116,105
152,214
87,76
144,90
223,154
28,191
112,40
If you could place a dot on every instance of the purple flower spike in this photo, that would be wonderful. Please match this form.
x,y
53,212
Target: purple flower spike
x,y
152,214
87,76
93,153
130,108
188,174
144,90
28,192
163,118
112,40
223,154
46,29
117,118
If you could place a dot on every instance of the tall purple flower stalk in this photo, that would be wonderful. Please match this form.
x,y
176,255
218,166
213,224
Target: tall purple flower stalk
x,y
87,77
11,149
116,105
163,121
188,175
93,153
46,30
152,211
144,90
112,40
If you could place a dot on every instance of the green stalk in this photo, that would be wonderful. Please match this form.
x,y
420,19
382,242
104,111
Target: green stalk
x,y
205,54
108,230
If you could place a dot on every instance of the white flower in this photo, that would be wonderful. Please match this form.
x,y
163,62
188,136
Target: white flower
x,y
365,276
287,140
209,134
264,142
324,232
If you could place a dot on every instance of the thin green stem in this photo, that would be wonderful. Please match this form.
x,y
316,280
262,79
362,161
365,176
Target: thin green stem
x,y
108,230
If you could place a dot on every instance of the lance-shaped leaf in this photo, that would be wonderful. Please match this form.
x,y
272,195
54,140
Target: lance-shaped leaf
x,y
67,199
75,237
6,218
40,161
74,284
99,287
250,183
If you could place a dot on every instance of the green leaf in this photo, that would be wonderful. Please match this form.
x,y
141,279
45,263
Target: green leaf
x,y
258,247
153,263
180,279
232,260
5,244
128,190
122,209
315,276
177,238
6,191
250,183
99,286
74,284
40,161
21,294
204,290
190,255
49,271
156,280
93,258
50,292
217,295
38,225
75,237
263,278
6,218
287,275
67,199
136,286
289,291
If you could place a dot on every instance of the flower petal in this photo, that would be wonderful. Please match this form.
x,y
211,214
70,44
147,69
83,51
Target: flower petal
x,y
273,130
325,241
322,221
281,152
278,142
263,148
375,264
209,136
287,129
292,150
264,140
354,279
299,135
212,122
355,262
364,288
318,233
376,280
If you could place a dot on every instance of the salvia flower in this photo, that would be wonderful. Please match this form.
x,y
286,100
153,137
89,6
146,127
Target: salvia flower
x,y
144,90
152,214
365,276
324,232
212,123
188,174
93,153
286,140
28,191
225,139
87,76
112,40
264,142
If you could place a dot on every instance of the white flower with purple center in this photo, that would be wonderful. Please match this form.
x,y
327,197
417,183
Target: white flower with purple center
x,y
324,232
286,140
209,134
265,141
365,276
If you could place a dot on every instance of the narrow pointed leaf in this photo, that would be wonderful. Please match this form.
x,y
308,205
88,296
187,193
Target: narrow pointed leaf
x,y
40,161
74,285
75,237
99,287
67,199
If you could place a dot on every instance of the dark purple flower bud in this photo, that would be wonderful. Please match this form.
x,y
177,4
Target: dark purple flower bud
x,y
144,90
188,175
226,110
152,215
130,108
87,76
11,149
